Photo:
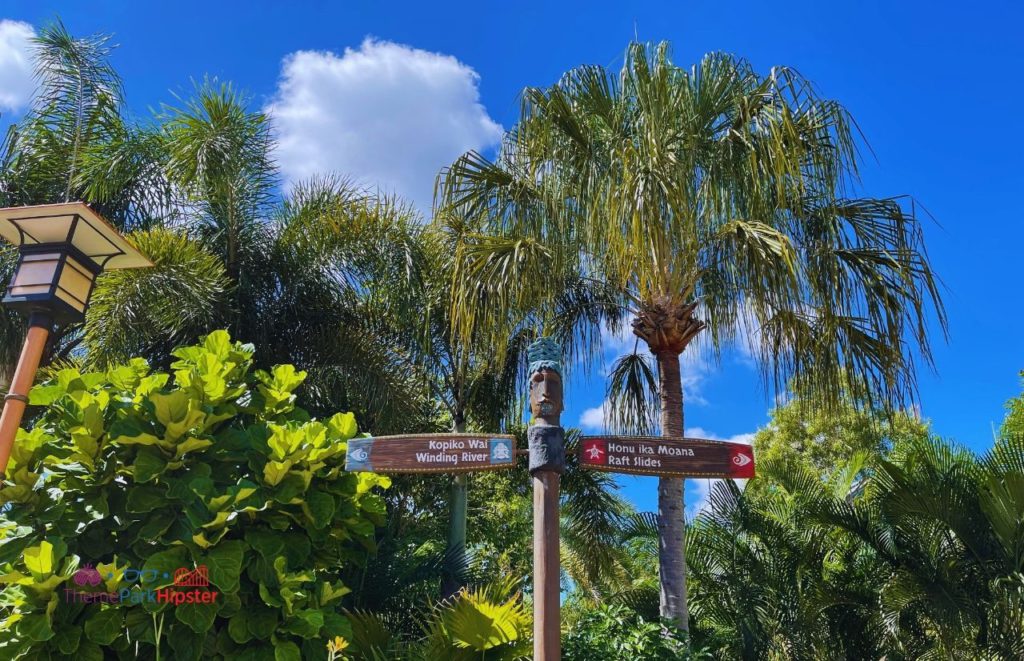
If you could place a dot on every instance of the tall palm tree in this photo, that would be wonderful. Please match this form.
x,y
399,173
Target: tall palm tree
x,y
711,199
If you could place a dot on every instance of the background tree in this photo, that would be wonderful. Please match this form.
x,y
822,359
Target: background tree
x,y
827,438
75,125
1013,424
310,277
906,548
712,200
479,377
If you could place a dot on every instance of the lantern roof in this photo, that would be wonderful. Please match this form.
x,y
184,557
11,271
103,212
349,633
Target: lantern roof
x,y
71,223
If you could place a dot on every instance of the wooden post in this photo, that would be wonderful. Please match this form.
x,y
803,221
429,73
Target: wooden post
x,y
24,375
547,643
547,462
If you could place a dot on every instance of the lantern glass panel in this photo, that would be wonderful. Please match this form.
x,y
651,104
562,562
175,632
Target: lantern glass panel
x,y
35,274
75,284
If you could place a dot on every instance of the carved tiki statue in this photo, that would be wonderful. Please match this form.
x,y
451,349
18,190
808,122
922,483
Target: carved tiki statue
x,y
545,435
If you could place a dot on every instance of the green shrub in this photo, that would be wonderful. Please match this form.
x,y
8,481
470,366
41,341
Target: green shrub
x,y
616,632
484,623
148,472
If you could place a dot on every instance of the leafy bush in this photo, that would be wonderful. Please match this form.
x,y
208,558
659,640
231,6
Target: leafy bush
x,y
483,623
616,632
150,472
487,622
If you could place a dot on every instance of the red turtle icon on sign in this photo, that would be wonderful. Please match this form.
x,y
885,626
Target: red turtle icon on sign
x,y
594,451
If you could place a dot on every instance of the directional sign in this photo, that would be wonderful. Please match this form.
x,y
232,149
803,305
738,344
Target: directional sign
x,y
431,453
670,457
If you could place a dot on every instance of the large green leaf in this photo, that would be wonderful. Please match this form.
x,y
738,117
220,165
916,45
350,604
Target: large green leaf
x,y
199,617
262,622
149,462
164,563
266,543
129,430
238,628
146,499
105,626
89,651
285,650
67,639
225,564
39,559
306,623
319,507
185,642
36,627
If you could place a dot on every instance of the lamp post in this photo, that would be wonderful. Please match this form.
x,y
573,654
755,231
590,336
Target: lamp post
x,y
63,247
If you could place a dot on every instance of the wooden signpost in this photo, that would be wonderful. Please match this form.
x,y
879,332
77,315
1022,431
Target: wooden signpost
x,y
431,453
636,455
672,457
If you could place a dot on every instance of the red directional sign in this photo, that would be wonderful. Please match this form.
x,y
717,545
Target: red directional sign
x,y
670,457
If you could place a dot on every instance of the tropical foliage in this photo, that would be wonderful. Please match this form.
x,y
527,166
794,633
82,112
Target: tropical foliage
x,y
908,549
616,632
143,472
711,201
704,206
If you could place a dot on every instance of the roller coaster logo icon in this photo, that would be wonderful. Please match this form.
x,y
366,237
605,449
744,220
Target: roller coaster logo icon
x,y
196,578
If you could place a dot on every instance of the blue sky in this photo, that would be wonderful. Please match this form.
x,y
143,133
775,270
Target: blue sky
x,y
387,92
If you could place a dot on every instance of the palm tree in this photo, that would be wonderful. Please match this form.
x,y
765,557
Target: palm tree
x,y
947,526
74,127
711,200
312,277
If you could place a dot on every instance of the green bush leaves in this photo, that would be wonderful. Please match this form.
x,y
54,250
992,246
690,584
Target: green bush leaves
x,y
150,472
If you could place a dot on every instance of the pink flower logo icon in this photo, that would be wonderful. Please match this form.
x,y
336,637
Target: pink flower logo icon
x,y
87,575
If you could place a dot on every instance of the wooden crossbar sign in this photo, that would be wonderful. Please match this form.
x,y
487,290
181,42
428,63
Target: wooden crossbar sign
x,y
431,453
669,457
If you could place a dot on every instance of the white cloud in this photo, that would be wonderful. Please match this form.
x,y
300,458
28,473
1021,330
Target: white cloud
x,y
700,432
16,81
702,486
386,114
593,419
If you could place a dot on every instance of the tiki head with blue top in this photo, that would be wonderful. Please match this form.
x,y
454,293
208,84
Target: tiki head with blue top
x,y
545,381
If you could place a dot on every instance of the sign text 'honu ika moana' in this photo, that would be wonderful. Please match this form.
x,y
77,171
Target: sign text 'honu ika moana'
x,y
431,453
671,457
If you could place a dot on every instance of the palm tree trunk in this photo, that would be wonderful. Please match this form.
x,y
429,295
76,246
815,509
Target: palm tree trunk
x,y
667,327
459,507
671,506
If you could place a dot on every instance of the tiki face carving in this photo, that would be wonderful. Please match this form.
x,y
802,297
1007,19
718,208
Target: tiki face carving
x,y
546,396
